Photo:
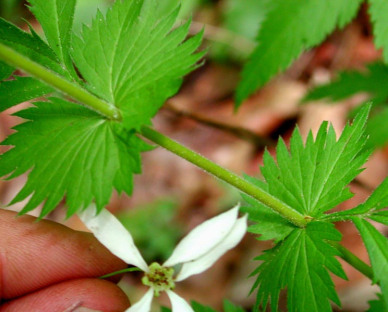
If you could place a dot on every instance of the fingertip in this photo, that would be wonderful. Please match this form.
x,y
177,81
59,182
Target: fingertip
x,y
75,295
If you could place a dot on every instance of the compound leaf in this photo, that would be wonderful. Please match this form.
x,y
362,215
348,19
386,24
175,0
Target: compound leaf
x,y
56,18
313,178
289,28
19,90
377,246
301,263
132,58
70,151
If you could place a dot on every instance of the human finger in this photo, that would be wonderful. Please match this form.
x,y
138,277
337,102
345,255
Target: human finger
x,y
72,296
34,255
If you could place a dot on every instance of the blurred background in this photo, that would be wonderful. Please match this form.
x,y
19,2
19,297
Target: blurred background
x,y
172,196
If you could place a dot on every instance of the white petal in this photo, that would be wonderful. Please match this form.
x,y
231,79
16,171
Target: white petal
x,y
144,305
203,238
113,235
207,260
178,304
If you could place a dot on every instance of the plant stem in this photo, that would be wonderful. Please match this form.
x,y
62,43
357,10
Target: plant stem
x,y
225,175
353,260
18,60
108,110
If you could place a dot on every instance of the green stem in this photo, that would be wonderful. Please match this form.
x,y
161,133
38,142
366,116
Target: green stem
x,y
353,260
18,60
109,111
248,188
127,270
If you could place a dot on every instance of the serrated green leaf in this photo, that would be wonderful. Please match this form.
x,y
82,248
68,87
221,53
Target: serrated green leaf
x,y
56,18
301,263
267,223
372,208
70,151
30,45
378,10
289,28
313,178
378,305
351,82
21,89
377,247
132,59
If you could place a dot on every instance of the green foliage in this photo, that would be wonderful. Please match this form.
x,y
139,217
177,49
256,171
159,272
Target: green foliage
x,y
5,71
154,229
245,17
227,307
85,11
378,10
70,151
30,45
139,77
377,246
56,18
313,178
377,128
300,263
373,208
297,26
201,308
378,305
230,307
267,223
21,89
8,8
131,58
348,83
187,7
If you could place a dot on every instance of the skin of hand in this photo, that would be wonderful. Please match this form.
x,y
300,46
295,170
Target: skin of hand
x,y
47,267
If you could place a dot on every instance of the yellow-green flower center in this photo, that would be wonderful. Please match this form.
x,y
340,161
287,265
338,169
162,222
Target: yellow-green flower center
x,y
159,278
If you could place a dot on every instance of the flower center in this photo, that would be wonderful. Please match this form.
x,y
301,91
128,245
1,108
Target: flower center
x,y
159,278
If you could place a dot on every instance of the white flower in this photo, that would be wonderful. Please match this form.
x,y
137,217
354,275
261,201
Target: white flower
x,y
197,252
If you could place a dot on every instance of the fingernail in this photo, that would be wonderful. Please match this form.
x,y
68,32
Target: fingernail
x,y
82,309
